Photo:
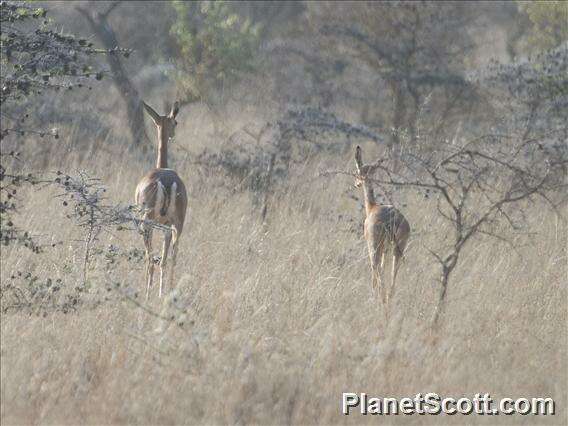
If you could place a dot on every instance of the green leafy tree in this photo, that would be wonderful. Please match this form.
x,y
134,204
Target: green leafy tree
x,y
548,23
216,47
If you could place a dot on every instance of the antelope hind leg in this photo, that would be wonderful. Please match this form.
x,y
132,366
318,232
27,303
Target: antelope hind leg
x,y
149,261
164,260
175,241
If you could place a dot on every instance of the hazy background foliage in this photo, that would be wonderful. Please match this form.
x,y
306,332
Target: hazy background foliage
x,y
273,316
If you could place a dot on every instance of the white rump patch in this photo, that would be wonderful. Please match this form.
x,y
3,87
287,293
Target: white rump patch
x,y
160,198
172,205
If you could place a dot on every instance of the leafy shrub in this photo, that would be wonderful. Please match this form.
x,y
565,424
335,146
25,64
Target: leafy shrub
x,y
216,47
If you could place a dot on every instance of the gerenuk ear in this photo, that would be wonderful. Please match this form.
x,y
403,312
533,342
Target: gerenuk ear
x,y
175,110
153,114
358,158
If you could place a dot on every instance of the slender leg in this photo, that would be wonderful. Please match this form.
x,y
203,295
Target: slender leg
x,y
396,261
374,279
175,240
164,260
374,282
149,260
378,263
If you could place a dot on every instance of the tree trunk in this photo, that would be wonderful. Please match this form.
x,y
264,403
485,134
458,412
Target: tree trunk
x,y
399,115
448,266
135,114
414,115
439,308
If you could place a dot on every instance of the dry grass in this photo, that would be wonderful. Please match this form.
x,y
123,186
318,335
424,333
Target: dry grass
x,y
283,318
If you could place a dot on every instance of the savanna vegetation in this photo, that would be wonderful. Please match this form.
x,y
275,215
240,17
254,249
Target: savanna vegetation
x,y
461,108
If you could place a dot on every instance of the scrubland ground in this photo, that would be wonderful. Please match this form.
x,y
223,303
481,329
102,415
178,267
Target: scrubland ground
x,y
271,323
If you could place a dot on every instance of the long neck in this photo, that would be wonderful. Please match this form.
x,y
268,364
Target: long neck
x,y
369,197
162,162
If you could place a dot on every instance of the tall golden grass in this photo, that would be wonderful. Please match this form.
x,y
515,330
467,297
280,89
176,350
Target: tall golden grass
x,y
280,318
